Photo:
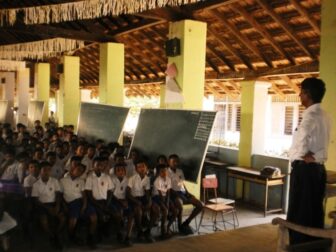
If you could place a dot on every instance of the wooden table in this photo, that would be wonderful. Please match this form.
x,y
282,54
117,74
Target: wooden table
x,y
252,175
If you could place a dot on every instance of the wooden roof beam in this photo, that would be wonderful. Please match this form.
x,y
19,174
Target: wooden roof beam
x,y
230,48
221,57
226,90
284,26
245,41
306,14
278,90
290,84
262,31
212,89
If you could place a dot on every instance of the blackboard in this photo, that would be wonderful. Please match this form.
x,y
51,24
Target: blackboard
x,y
181,132
3,111
98,121
35,112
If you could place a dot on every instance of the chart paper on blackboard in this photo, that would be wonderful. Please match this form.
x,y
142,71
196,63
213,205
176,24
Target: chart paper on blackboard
x,y
98,121
182,132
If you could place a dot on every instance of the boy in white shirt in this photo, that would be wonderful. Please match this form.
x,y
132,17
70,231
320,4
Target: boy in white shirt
x,y
98,187
181,196
9,167
161,197
119,203
77,205
138,195
47,194
28,182
57,167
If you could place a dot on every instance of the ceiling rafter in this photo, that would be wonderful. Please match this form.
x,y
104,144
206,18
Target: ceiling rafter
x,y
277,90
213,50
245,41
290,83
226,89
303,11
289,31
237,7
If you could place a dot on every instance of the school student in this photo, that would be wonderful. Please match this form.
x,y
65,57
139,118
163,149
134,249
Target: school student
x,y
119,203
138,194
57,168
28,182
72,187
9,167
161,197
47,195
181,196
98,187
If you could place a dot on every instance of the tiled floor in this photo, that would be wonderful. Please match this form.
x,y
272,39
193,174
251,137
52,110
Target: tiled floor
x,y
247,217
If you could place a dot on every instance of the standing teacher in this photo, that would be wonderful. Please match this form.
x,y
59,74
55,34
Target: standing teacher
x,y
308,153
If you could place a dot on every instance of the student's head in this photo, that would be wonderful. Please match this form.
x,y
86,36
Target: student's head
x,y
9,153
104,154
134,154
141,167
75,160
98,164
119,158
312,91
120,170
162,159
38,154
162,170
23,157
77,170
51,157
91,150
173,161
45,168
80,150
34,168
37,123
112,146
99,144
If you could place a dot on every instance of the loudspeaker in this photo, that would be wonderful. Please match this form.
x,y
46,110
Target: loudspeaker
x,y
3,80
60,68
173,47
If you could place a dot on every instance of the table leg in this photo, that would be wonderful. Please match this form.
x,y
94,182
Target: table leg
x,y
266,198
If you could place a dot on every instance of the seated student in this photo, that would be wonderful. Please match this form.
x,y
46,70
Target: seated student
x,y
130,169
47,195
80,151
38,154
160,160
88,158
119,203
98,187
9,167
72,187
28,182
57,169
138,195
161,197
181,196
117,159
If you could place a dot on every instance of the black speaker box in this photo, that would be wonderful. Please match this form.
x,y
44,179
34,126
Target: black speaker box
x,y
173,47
60,68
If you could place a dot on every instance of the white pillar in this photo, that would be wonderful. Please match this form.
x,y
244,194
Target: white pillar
x,y
8,82
23,95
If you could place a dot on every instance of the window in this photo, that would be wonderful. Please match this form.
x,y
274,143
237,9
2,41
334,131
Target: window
x,y
289,112
229,117
238,112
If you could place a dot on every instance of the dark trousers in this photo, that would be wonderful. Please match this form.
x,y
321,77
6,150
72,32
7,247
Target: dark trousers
x,y
306,194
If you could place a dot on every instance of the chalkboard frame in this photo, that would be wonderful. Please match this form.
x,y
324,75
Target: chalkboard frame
x,y
194,178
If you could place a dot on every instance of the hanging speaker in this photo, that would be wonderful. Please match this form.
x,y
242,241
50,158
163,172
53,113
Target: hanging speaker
x,y
173,47
3,80
60,68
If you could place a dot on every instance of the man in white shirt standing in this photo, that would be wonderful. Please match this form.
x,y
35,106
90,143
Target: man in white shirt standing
x,y
307,155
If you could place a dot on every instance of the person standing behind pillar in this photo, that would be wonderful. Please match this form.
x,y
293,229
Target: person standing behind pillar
x,y
308,154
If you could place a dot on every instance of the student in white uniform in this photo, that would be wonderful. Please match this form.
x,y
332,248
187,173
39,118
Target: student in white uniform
x,y
9,167
119,203
98,186
138,194
180,195
72,187
161,197
57,167
47,194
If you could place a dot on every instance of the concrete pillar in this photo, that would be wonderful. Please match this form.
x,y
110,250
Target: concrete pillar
x,y
23,78
8,87
42,87
111,74
190,64
328,74
69,98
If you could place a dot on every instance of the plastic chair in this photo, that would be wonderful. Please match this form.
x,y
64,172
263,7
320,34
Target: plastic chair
x,y
211,183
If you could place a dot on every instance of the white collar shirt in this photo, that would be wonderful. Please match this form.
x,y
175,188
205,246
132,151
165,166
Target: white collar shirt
x,y
177,180
11,171
46,192
161,184
29,181
72,189
312,135
98,185
119,187
138,185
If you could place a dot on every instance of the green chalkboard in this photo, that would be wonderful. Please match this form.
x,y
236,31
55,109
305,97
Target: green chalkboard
x,y
97,121
35,112
3,111
185,133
